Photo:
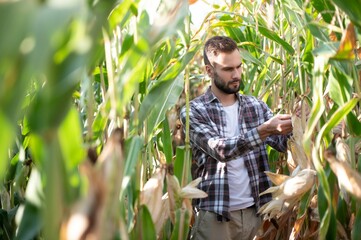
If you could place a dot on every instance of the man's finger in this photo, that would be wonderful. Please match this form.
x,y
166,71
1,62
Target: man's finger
x,y
284,116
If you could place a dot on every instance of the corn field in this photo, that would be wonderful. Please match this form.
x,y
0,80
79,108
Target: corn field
x,y
91,146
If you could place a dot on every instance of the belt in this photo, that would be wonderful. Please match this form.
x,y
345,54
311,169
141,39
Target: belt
x,y
252,206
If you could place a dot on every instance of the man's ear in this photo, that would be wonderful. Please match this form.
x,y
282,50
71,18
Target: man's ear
x,y
209,70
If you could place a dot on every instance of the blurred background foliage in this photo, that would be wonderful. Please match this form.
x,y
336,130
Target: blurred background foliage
x,y
90,142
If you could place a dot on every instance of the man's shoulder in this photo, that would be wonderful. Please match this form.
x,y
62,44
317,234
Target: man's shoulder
x,y
249,99
197,104
201,99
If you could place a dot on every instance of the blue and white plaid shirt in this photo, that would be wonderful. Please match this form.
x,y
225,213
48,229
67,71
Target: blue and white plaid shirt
x,y
211,150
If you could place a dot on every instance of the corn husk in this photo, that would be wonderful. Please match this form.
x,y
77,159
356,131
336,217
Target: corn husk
x,y
191,191
274,208
277,179
291,163
295,186
298,153
179,197
299,184
297,131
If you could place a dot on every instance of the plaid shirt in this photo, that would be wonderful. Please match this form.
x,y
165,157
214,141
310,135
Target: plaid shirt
x,y
211,150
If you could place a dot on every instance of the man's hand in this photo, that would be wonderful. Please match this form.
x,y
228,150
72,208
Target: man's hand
x,y
280,124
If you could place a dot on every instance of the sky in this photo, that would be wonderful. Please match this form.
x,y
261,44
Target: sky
x,y
200,9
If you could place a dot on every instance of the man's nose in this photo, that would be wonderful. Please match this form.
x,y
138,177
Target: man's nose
x,y
236,73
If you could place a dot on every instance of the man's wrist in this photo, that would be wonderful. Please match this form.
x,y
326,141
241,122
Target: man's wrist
x,y
263,131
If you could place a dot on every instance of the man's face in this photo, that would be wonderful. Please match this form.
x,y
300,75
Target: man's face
x,y
225,71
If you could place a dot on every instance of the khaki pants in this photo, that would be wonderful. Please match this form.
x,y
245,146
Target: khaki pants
x,y
243,225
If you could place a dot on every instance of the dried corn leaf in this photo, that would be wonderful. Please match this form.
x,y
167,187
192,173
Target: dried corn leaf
x,y
347,177
173,189
343,152
96,215
348,44
164,215
341,231
5,199
83,222
152,193
358,147
297,227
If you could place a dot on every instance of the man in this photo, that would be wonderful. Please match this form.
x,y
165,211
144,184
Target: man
x,y
228,134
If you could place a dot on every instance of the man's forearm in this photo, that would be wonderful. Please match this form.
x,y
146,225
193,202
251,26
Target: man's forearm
x,y
263,131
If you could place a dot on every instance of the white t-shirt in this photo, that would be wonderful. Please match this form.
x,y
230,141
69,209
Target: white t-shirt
x,y
238,180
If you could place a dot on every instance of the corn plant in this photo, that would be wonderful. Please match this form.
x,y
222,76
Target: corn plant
x,y
90,145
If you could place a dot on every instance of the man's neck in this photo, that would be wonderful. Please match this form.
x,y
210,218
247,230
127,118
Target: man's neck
x,y
225,98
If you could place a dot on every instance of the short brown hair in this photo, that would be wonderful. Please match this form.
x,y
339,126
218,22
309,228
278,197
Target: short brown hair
x,y
218,44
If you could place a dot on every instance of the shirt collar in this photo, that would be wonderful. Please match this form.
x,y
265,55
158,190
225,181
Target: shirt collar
x,y
210,97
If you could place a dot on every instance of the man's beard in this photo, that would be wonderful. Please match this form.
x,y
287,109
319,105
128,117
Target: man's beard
x,y
224,87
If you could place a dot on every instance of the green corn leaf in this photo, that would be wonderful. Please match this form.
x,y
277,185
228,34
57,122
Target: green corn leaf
x,y
340,86
6,139
274,36
332,228
336,118
31,219
31,222
159,99
163,57
293,13
315,30
144,227
120,15
354,124
133,148
325,8
226,23
165,93
341,213
250,58
181,228
70,139
167,142
132,73
12,168
356,233
179,162
325,214
351,8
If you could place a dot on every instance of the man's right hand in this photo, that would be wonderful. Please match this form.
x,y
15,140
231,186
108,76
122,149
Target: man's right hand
x,y
280,124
